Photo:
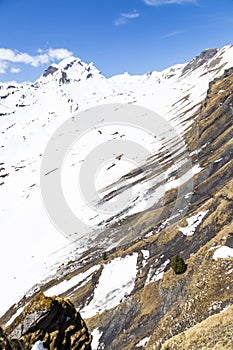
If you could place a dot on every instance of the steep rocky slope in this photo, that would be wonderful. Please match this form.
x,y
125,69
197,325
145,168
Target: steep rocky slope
x,y
128,294
171,304
213,333
166,303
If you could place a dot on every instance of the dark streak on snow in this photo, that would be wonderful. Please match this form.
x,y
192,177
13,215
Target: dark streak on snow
x,y
111,166
51,171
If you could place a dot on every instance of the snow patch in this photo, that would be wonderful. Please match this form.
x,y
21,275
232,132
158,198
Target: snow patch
x,y
38,346
115,284
173,183
157,275
149,234
143,342
193,223
67,284
223,252
218,160
18,312
96,335
213,248
146,255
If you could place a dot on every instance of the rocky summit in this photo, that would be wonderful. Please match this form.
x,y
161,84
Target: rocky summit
x,y
124,282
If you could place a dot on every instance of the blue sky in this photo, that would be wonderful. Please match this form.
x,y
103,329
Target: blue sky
x,y
117,35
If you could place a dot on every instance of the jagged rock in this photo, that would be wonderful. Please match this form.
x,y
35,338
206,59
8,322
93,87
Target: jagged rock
x,y
198,61
50,70
4,342
7,344
54,321
63,79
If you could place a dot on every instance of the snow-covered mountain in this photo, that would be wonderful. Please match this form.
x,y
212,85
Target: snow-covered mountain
x,y
29,115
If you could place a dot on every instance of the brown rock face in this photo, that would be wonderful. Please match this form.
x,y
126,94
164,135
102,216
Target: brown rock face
x,y
7,344
54,321
4,342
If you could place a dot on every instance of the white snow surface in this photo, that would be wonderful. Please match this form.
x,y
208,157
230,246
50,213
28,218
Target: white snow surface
x,y
156,274
146,255
30,113
38,346
193,222
115,284
65,285
14,316
223,252
96,335
143,342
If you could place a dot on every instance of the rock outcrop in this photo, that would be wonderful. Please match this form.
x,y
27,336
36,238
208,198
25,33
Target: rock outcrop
x,y
7,344
52,321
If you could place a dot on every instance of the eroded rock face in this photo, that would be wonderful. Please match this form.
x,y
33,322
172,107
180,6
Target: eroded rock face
x,y
54,321
7,344
4,342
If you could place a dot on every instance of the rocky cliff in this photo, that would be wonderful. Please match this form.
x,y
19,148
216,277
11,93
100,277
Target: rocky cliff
x,y
52,322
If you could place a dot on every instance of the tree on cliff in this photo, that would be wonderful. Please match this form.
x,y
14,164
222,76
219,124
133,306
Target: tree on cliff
x,y
178,265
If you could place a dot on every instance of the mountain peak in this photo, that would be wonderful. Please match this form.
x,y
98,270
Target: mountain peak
x,y
71,69
211,59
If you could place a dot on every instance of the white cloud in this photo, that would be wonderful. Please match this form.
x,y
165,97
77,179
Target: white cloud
x,y
130,15
15,70
3,67
8,56
59,54
22,57
167,2
124,17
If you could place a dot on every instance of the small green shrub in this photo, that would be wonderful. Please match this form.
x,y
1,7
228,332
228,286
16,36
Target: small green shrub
x,y
104,256
178,265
